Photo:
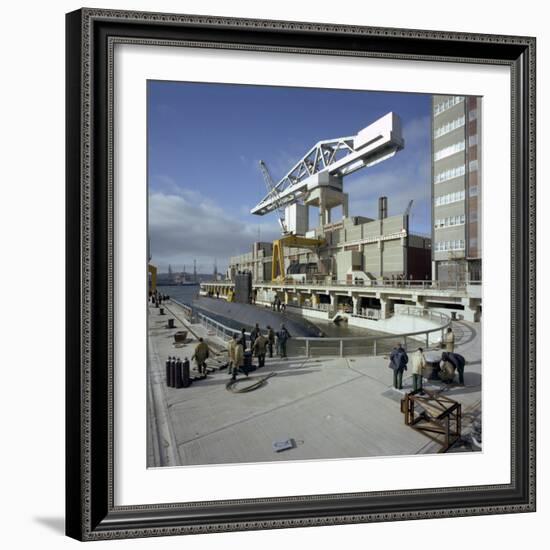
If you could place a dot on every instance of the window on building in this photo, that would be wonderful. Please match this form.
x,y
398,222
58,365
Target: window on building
x,y
472,115
447,104
449,198
450,174
473,191
450,221
472,140
450,126
446,246
473,165
450,150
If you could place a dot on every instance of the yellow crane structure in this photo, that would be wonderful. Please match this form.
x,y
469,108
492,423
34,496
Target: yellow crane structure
x,y
295,241
152,273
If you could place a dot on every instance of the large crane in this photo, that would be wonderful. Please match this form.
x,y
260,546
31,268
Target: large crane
x,y
316,179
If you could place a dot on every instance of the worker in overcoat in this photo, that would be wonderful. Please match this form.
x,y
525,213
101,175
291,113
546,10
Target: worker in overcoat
x,y
238,361
449,340
259,349
418,362
200,356
231,344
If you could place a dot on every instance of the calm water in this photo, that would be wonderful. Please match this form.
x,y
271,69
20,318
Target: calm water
x,y
333,330
186,295
183,294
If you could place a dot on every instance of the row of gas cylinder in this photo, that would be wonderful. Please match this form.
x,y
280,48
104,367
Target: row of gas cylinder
x,y
177,373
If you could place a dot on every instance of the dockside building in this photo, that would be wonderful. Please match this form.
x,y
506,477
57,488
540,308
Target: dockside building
x,y
355,250
456,188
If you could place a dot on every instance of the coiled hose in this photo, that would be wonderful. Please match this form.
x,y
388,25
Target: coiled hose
x,y
230,386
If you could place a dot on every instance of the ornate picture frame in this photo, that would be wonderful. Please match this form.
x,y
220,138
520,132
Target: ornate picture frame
x,y
90,505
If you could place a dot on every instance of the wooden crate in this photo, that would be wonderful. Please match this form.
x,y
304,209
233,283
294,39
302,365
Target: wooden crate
x,y
435,415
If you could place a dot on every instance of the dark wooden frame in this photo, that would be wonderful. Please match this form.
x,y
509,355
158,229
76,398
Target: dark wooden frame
x,y
91,35
443,411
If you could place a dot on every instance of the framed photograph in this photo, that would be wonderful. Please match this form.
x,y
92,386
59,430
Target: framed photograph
x,y
300,274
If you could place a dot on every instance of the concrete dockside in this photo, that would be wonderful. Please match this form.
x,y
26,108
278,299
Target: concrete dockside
x,y
331,407
464,300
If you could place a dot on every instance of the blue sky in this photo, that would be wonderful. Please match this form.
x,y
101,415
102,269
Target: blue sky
x,y
205,141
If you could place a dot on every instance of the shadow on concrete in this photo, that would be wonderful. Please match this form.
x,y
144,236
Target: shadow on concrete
x,y
56,524
467,332
472,381
223,379
473,384
295,372
210,380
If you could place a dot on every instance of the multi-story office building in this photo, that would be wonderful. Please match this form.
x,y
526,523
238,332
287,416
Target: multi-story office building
x,y
456,188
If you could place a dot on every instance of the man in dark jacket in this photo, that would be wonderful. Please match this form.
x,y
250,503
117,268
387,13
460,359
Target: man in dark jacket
x,y
254,333
282,336
270,340
242,339
457,361
398,362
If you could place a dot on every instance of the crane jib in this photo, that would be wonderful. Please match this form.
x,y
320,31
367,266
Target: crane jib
x,y
329,161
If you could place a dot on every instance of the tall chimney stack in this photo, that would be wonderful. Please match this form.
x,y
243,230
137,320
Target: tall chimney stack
x,y
382,208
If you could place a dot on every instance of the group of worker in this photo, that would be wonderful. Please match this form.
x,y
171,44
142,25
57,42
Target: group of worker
x,y
240,348
157,297
277,305
445,369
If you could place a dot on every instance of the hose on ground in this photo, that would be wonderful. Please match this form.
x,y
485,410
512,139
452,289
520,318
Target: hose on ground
x,y
230,386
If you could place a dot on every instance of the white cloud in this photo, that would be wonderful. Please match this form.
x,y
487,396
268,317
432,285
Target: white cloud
x,y
187,226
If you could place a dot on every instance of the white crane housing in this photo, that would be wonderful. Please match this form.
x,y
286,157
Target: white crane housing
x,y
316,179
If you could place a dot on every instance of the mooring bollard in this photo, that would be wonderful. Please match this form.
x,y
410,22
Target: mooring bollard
x,y
171,323
161,311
